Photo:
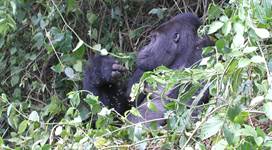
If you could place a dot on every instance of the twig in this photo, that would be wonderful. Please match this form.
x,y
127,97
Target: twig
x,y
47,34
177,6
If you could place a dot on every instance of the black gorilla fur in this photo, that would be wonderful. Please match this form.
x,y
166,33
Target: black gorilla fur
x,y
175,44
101,78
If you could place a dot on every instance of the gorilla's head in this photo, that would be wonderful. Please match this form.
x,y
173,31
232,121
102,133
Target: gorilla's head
x,y
169,41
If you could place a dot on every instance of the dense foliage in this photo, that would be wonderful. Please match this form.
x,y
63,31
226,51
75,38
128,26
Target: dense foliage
x,y
44,45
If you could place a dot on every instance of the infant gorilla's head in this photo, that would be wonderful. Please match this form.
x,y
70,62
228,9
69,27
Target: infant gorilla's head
x,y
169,41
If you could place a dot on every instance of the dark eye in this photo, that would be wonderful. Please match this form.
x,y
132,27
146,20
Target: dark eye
x,y
176,37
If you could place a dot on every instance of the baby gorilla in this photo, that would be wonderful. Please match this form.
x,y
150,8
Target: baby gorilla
x,y
175,44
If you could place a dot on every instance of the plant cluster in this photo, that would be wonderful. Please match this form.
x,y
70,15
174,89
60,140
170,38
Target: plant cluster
x,y
44,45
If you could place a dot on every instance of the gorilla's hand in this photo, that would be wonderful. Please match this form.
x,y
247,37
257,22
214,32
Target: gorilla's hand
x,y
117,71
102,70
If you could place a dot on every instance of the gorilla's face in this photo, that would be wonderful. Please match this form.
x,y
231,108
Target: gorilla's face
x,y
161,50
173,39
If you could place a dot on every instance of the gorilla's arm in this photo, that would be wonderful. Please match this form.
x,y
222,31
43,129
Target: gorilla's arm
x,y
101,77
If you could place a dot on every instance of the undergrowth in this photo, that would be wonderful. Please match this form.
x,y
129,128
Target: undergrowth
x,y
44,45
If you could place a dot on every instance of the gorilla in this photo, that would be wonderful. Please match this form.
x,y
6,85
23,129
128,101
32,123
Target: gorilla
x,y
174,44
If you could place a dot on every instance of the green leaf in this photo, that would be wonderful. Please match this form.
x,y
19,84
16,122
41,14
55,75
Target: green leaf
x,y
91,17
74,98
244,62
211,127
93,102
259,141
78,66
43,23
22,126
104,112
14,80
4,98
236,80
91,99
214,11
57,68
100,142
79,44
189,93
152,106
239,28
222,144
238,40
268,109
70,5
232,67
248,131
215,26
80,53
135,90
229,135
226,28
1,141
34,116
249,50
268,144
134,111
241,118
257,59
56,106
262,33
233,112
235,53
224,18
220,44
10,108
219,67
